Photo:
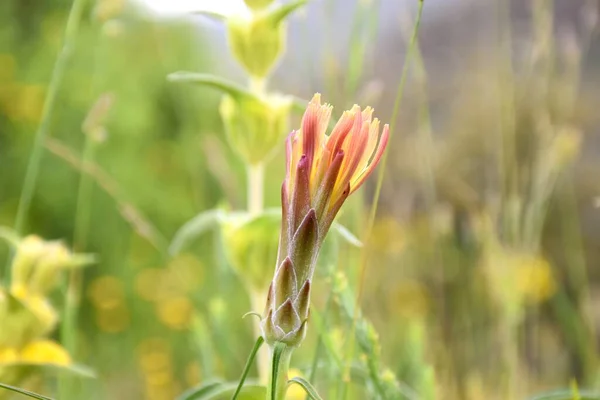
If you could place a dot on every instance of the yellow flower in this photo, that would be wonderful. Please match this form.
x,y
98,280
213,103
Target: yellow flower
x,y
44,352
175,312
534,280
8,355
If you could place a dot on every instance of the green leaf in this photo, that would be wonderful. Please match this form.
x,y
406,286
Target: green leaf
x,y
24,392
567,394
54,369
308,388
259,342
227,86
193,228
202,391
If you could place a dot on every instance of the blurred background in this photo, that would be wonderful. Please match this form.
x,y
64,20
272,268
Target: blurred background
x,y
482,264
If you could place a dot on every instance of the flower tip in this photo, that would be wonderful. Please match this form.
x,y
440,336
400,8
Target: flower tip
x,y
316,99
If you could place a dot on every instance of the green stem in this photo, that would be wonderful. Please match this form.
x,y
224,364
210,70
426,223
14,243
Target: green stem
x,y
256,183
278,374
35,158
257,86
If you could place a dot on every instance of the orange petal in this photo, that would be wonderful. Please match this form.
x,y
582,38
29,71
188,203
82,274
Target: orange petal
x,y
380,149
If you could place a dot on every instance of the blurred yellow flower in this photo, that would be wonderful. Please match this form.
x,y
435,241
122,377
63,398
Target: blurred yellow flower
x,y
158,378
147,283
184,274
176,312
106,9
112,319
8,66
44,352
516,278
193,373
8,355
410,299
27,103
388,235
295,392
534,279
106,292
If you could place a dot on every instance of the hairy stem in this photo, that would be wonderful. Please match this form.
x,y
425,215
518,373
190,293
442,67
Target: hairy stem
x,y
278,372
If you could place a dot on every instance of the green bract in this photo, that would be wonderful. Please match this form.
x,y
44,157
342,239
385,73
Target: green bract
x,y
255,125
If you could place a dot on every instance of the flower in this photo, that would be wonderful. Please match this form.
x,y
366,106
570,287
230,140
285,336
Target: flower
x,y
322,171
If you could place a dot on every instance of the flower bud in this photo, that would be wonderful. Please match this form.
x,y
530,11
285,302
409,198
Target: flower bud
x,y
37,265
322,171
257,40
255,125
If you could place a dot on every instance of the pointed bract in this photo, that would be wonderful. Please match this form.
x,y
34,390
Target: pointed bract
x,y
285,282
304,246
286,317
302,302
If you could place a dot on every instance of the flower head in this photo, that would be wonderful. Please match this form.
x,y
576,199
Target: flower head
x,y
322,171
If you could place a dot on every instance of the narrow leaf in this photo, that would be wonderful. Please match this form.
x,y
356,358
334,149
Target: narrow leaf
x,y
278,14
347,235
193,228
252,313
212,15
567,394
9,236
306,385
227,86
202,391
249,362
24,392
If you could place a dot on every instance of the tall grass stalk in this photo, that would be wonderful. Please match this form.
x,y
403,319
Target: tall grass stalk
x,y
380,175
58,73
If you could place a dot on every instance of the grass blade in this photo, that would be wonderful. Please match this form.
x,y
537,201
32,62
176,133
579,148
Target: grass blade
x,y
257,345
24,392
200,392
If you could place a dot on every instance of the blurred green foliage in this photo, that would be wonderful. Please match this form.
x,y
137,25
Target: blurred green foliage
x,y
485,286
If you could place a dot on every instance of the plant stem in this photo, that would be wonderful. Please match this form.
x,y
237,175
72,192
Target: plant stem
x,y
278,371
257,302
256,183
258,86
35,158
